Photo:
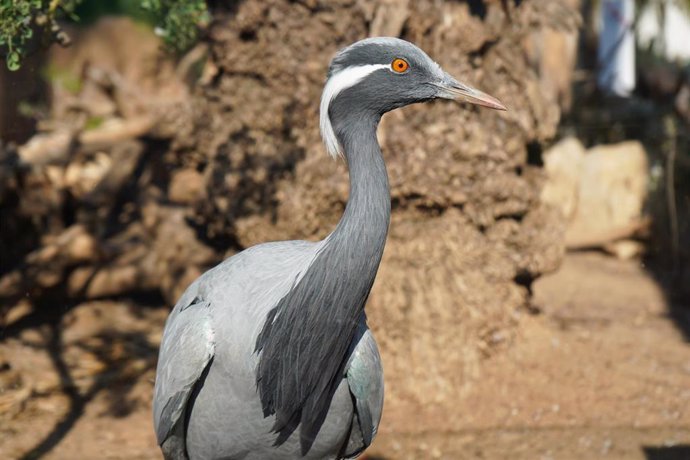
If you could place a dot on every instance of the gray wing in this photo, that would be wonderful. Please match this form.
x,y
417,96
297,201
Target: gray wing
x,y
186,350
365,379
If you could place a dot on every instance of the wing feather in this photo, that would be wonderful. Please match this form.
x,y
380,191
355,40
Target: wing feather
x,y
187,349
365,379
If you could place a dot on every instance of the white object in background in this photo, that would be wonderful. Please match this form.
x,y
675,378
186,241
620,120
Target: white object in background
x,y
668,36
617,47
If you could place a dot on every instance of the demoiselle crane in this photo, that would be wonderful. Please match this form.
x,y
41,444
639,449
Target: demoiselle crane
x,y
268,354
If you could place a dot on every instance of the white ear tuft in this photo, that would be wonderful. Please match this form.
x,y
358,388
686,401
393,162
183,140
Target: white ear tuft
x,y
339,81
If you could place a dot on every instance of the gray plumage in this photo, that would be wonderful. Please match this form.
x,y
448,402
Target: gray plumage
x,y
268,355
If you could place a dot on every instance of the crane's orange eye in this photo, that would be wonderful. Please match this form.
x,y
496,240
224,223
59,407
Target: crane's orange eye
x,y
399,65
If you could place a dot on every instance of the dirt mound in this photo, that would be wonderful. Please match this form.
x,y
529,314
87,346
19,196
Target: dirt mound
x,y
468,232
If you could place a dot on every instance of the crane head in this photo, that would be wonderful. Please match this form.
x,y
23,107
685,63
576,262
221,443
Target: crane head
x,y
376,75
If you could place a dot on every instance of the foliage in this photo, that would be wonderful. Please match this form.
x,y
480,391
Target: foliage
x,y
18,19
15,28
177,21
180,20
89,11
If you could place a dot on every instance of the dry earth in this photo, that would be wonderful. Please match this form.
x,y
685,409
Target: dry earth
x,y
601,372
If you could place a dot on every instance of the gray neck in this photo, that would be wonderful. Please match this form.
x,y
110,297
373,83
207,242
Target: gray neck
x,y
306,338
360,236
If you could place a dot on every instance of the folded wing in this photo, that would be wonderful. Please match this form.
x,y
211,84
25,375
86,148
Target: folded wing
x,y
186,351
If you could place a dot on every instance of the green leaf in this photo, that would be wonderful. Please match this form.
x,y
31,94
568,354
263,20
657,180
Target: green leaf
x,y
13,60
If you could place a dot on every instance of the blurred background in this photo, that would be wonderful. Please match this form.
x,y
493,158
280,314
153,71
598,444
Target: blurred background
x,y
534,297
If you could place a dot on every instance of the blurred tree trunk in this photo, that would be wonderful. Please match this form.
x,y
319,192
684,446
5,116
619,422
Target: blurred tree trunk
x,y
20,91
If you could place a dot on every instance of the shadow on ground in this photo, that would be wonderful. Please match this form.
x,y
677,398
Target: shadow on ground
x,y
667,453
94,350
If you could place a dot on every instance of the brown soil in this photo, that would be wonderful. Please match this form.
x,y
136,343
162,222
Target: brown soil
x,y
602,372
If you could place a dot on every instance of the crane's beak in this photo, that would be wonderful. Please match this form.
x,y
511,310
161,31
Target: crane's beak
x,y
450,88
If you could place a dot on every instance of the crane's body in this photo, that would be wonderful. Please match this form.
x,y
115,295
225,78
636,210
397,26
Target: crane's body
x,y
268,354
237,312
